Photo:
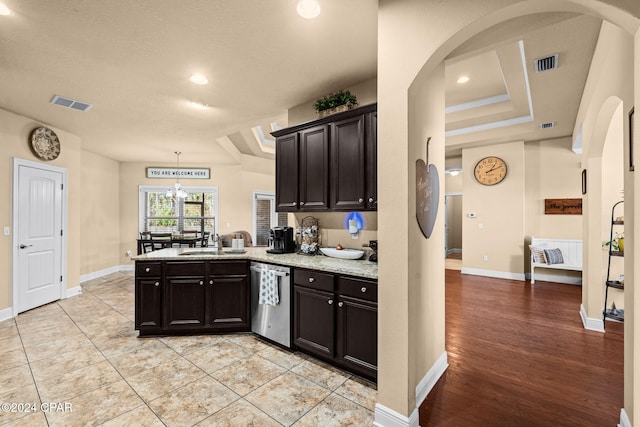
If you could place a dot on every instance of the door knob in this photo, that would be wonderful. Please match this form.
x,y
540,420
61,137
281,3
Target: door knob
x,y
23,246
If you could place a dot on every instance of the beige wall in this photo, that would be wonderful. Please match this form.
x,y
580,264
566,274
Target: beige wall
x,y
14,133
454,221
235,194
99,216
497,231
414,37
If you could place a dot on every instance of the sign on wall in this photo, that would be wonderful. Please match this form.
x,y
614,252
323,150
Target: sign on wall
x,y
563,206
189,173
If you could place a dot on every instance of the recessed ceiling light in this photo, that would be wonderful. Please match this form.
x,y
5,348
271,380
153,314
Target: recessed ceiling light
x,y
463,79
308,9
199,79
4,10
199,105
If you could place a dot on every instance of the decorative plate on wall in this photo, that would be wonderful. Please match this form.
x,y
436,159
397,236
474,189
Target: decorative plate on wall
x,y
45,143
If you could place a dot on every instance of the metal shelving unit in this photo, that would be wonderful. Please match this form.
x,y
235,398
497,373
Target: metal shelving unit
x,y
613,313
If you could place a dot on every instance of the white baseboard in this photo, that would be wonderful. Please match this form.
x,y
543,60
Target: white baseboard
x,y
128,267
385,417
567,280
491,273
100,273
624,419
6,314
431,378
590,323
76,290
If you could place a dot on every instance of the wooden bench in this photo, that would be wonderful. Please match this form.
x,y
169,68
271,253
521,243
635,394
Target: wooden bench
x,y
571,254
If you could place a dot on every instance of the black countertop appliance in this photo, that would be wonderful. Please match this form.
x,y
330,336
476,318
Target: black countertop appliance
x,y
281,240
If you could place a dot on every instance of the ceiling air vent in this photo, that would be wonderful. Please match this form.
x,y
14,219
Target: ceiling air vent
x,y
71,103
547,125
547,63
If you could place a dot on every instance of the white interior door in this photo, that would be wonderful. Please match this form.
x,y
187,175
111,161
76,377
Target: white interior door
x,y
38,235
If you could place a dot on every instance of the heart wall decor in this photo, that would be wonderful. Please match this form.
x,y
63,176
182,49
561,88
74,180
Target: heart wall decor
x,y
427,194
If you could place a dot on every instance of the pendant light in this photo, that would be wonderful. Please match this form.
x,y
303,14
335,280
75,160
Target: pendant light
x,y
177,191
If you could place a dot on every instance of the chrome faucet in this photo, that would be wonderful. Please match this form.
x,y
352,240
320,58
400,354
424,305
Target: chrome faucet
x,y
218,242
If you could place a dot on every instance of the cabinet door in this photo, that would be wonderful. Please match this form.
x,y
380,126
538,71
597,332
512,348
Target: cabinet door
x,y
184,302
371,148
228,303
314,168
348,164
313,321
287,173
357,335
148,303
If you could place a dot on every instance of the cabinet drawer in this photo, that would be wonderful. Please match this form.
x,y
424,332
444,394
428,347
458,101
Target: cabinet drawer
x,y
148,269
228,268
314,279
182,268
358,288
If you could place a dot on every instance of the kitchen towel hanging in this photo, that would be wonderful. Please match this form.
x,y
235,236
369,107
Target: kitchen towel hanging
x,y
268,288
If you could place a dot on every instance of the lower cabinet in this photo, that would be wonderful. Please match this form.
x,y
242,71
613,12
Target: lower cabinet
x,y
185,297
336,319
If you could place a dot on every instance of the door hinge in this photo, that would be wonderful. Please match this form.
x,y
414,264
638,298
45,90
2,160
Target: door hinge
x,y
60,278
62,187
62,232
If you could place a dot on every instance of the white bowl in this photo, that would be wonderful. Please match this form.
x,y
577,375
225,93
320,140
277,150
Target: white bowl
x,y
342,253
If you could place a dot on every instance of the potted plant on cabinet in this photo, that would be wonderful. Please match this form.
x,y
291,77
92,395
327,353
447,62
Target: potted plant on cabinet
x,y
337,102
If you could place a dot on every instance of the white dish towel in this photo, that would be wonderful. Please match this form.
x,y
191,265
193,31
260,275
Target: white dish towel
x,y
268,288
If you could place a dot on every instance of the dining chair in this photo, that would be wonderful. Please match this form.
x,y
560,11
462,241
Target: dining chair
x,y
160,240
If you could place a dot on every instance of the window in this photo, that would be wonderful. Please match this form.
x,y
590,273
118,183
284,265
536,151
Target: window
x,y
197,212
265,216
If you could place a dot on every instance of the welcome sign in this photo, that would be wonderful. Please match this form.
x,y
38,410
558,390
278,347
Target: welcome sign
x,y
190,173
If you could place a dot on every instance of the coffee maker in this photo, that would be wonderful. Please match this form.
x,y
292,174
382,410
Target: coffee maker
x,y
281,240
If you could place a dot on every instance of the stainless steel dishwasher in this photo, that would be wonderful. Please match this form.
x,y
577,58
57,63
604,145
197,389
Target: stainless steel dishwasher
x,y
272,321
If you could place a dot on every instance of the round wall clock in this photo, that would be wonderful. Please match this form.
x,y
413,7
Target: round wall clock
x,y
490,170
45,143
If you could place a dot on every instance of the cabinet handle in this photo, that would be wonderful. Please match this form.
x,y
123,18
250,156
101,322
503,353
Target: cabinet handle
x,y
363,289
301,203
294,204
330,302
157,284
360,200
340,304
370,199
311,279
201,282
211,282
147,269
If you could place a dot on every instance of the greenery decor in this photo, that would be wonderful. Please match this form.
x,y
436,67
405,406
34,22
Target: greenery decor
x,y
335,100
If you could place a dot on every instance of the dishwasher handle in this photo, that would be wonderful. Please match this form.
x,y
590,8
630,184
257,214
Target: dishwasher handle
x,y
278,273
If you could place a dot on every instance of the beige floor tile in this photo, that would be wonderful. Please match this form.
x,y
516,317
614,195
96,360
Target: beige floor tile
x,y
10,344
66,362
113,347
248,374
321,373
217,356
359,391
239,414
29,419
286,359
15,377
97,406
25,394
132,363
48,348
160,380
248,341
8,329
9,323
336,411
64,330
11,358
141,416
188,344
78,382
287,397
192,403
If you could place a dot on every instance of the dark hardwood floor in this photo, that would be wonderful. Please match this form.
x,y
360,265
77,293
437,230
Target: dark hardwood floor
x,y
519,356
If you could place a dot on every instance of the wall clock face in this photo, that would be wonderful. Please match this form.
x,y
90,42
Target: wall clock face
x,y
490,170
45,143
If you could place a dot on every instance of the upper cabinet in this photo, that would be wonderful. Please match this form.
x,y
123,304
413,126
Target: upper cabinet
x,y
328,164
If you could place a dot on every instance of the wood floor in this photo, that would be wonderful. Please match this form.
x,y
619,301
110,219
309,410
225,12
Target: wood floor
x,y
519,356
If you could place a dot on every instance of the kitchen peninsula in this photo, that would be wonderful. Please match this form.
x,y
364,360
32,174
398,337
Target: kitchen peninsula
x,y
183,291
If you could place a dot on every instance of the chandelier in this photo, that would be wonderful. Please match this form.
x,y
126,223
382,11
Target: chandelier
x,y
177,190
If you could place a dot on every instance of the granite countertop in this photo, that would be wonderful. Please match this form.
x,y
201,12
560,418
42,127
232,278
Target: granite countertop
x,y
359,268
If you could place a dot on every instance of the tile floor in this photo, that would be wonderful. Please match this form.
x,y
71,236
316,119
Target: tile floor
x,y
84,353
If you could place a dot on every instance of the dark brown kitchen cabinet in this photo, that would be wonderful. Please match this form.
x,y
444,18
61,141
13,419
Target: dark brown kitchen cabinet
x,y
192,296
336,319
328,164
